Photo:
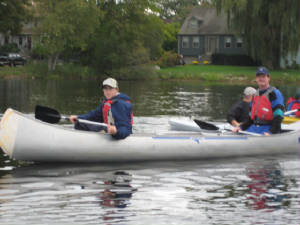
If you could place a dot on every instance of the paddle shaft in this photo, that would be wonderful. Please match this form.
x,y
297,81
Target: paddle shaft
x,y
246,132
85,121
291,111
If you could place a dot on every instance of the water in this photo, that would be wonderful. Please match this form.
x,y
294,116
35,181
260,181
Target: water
x,y
253,190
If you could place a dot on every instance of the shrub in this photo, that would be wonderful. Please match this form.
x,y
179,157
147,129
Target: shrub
x,y
11,47
168,59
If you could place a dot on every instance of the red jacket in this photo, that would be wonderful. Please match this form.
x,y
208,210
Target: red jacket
x,y
292,104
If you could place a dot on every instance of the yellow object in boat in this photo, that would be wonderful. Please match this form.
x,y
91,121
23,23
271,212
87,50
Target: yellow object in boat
x,y
290,119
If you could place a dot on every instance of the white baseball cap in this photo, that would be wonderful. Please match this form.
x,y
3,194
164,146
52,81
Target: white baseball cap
x,y
110,82
249,91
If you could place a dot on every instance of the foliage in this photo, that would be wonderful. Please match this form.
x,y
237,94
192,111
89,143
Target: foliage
x,y
126,36
65,24
176,9
12,14
270,28
39,52
168,59
11,47
170,31
238,60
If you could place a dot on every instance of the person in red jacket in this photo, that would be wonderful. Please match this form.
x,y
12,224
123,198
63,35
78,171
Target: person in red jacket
x,y
115,111
294,103
267,107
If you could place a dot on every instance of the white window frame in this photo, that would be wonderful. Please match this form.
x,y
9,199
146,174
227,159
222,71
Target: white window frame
x,y
185,42
196,42
239,41
228,40
193,23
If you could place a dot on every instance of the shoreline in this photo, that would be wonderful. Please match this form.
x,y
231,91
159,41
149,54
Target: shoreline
x,y
205,73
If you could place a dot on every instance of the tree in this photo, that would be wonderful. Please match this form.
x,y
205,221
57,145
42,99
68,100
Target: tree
x,y
65,24
12,14
129,34
270,27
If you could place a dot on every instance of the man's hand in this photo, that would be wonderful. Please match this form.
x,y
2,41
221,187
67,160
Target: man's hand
x,y
236,129
111,129
73,118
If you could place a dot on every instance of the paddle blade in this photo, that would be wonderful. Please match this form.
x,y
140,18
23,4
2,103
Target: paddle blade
x,y
47,114
206,126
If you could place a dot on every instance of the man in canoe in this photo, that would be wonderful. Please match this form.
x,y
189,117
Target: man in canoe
x,y
239,112
115,111
267,107
294,103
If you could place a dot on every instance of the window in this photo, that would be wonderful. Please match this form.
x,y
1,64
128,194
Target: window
x,y
227,42
196,42
193,23
185,42
239,43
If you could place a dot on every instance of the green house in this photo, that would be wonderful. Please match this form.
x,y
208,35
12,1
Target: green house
x,y
204,32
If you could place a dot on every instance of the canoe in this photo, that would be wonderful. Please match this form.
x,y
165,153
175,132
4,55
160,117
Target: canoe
x,y
190,125
25,138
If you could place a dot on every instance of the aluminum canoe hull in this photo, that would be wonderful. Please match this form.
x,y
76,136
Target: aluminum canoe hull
x,y
24,138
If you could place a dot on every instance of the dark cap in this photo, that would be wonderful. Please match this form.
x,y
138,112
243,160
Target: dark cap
x,y
262,70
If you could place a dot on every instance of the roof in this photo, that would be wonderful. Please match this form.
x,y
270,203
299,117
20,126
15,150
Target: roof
x,y
206,21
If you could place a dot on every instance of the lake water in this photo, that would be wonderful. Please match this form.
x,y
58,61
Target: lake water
x,y
251,190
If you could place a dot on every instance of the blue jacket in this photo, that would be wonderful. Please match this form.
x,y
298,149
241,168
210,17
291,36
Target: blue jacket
x,y
121,112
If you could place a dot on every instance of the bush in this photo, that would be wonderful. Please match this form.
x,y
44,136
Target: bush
x,y
234,60
138,72
11,47
169,59
38,52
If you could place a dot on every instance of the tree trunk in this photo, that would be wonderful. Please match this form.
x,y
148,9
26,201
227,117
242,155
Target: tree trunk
x,y
52,61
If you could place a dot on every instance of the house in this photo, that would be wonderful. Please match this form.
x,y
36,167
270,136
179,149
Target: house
x,y
205,32
22,40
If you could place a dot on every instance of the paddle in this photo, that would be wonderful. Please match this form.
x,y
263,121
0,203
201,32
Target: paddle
x,y
209,126
290,112
50,115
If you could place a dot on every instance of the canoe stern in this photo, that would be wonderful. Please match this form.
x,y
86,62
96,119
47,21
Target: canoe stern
x,y
8,131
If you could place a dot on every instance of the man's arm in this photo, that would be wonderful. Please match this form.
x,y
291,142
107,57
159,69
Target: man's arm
x,y
277,101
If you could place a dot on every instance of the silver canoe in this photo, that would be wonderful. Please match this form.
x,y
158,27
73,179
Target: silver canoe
x,y
25,138
190,125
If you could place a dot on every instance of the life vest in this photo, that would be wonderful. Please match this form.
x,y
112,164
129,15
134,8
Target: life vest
x,y
261,112
107,114
293,104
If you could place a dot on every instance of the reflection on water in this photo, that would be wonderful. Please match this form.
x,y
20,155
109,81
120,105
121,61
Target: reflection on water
x,y
117,194
118,190
267,189
243,191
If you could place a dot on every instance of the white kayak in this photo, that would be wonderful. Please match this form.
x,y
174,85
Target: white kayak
x,y
25,138
190,125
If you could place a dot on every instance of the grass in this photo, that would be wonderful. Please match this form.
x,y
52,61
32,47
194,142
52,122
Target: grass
x,y
225,73
209,73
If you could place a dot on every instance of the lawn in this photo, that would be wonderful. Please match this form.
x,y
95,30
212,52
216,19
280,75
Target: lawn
x,y
225,73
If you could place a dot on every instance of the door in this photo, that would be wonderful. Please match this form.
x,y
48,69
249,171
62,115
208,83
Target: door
x,y
212,45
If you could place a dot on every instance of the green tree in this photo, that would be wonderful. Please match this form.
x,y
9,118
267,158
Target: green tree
x,y
12,14
270,27
129,34
65,24
170,9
